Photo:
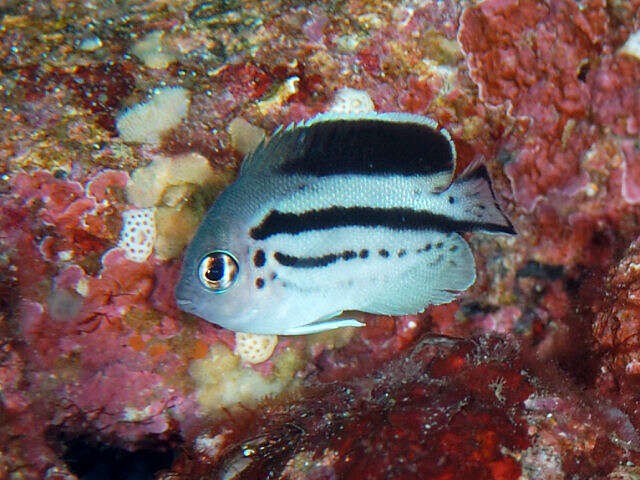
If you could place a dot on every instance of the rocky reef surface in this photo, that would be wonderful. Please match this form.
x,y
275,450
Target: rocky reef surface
x,y
121,122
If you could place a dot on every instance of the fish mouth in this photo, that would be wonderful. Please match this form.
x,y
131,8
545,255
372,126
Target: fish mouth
x,y
183,302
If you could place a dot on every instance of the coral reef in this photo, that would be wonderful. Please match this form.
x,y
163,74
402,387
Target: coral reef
x,y
108,110
433,401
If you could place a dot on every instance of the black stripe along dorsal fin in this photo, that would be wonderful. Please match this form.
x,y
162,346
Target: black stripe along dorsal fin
x,y
370,143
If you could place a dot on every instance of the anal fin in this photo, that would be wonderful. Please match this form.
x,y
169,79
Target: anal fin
x,y
323,326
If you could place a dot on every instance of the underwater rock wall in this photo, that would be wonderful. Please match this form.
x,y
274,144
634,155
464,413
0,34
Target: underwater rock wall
x,y
536,375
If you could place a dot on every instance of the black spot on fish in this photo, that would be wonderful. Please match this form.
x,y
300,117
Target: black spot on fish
x,y
426,248
274,276
402,253
259,282
259,259
439,245
453,248
452,200
364,253
383,253
349,254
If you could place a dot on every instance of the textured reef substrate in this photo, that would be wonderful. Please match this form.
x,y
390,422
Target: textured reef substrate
x,y
532,374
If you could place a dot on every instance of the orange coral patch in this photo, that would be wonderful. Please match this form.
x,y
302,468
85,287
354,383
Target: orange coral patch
x,y
158,349
137,343
200,350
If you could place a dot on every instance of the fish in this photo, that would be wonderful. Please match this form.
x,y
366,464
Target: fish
x,y
339,213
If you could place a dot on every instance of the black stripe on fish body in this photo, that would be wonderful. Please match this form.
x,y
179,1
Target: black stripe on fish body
x,y
330,258
395,218
313,262
362,146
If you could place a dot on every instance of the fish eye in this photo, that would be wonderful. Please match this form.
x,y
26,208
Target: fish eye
x,y
218,271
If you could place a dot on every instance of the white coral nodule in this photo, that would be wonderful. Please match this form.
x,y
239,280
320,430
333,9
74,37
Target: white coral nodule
x,y
138,234
350,100
255,348
632,45
146,122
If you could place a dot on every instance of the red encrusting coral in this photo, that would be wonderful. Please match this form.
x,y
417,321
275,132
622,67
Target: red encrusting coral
x,y
616,326
99,88
89,319
532,56
615,97
443,409
81,218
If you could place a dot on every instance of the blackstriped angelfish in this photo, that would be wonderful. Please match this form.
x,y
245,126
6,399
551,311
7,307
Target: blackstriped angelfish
x,y
342,212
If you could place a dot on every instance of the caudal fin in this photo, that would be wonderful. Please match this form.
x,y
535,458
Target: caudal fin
x,y
479,205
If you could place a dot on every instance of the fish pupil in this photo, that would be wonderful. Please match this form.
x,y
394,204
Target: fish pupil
x,y
215,272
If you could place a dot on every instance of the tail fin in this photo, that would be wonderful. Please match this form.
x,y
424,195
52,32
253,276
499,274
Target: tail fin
x,y
480,205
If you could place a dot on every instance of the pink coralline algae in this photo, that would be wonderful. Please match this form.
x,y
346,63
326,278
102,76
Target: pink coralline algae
x,y
532,374
84,327
548,63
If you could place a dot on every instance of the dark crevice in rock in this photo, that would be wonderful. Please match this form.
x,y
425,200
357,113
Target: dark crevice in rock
x,y
92,459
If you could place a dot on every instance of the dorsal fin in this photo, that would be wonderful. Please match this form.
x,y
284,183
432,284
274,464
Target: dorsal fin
x,y
370,143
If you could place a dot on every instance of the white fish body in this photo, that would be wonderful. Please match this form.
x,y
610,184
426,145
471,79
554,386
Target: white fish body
x,y
348,212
